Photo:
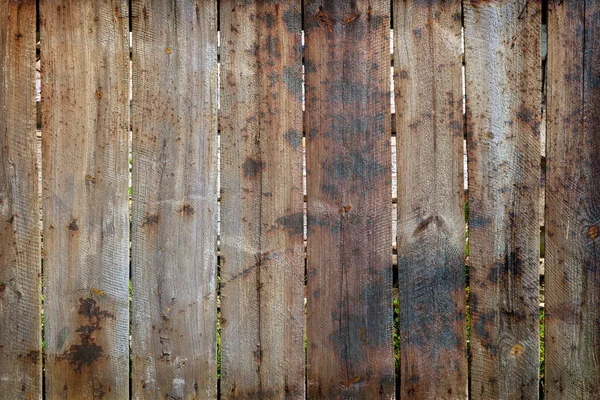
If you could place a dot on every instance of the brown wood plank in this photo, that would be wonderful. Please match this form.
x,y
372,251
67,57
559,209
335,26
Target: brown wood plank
x,y
503,83
349,317
262,254
431,225
85,88
572,205
174,217
20,267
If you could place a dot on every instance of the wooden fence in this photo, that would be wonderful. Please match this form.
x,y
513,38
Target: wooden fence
x,y
183,254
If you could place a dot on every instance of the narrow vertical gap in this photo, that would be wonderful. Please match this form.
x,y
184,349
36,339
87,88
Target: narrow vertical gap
x,y
130,194
394,216
305,203
466,203
38,138
218,266
544,55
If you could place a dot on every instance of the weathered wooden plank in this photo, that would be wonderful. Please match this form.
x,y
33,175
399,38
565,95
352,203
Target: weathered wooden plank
x,y
174,217
349,320
262,254
85,122
20,267
572,205
503,88
431,227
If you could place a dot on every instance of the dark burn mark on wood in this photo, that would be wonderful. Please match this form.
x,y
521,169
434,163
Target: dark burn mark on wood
x,y
87,352
437,221
352,166
293,80
33,356
330,190
186,210
293,224
525,114
252,167
292,20
269,19
73,225
151,220
11,219
272,46
482,323
89,309
294,138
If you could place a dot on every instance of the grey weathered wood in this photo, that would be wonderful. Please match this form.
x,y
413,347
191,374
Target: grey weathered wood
x,y
572,203
349,317
85,122
431,227
174,217
20,290
261,254
503,83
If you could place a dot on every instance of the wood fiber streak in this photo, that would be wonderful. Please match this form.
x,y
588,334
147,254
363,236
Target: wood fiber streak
x,y
20,268
349,317
261,254
503,88
572,206
431,225
85,86
174,217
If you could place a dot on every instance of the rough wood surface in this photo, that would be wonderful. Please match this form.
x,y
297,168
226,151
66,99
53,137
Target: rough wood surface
x,y
349,317
86,232
261,254
573,207
20,290
431,225
174,217
503,88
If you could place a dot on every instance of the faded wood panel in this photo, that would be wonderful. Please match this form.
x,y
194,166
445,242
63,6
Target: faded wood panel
x,y
572,207
85,168
503,88
20,268
349,317
174,217
431,227
261,254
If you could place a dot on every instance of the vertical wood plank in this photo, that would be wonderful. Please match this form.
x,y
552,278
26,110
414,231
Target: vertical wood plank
x,y
20,290
174,217
503,71
431,227
262,254
349,317
572,205
85,86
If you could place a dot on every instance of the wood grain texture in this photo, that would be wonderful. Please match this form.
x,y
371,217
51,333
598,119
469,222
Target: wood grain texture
x,y
174,217
85,88
503,88
431,225
573,207
261,254
20,267
349,317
